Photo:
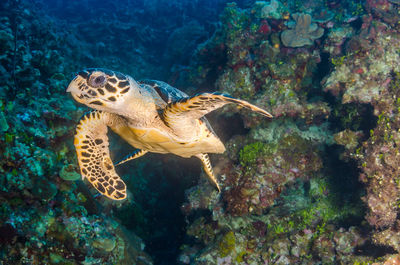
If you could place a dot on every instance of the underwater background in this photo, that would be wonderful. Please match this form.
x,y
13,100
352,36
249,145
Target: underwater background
x,y
317,184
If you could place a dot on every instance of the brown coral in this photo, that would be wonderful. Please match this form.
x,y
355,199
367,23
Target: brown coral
x,y
302,32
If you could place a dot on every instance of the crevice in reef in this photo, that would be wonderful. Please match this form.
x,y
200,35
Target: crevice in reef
x,y
375,251
353,116
158,183
323,69
342,177
342,174
357,24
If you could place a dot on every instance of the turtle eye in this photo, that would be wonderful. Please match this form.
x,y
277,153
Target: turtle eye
x,y
97,81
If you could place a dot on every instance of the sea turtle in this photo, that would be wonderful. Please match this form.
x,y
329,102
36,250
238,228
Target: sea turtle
x,y
150,115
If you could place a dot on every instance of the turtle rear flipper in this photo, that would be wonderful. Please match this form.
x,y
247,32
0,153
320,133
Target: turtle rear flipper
x,y
91,143
205,160
181,113
136,154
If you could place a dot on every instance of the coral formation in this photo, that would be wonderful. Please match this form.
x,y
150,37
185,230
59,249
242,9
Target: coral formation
x,y
275,9
302,32
267,168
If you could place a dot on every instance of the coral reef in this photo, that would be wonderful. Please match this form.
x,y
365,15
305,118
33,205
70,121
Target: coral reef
x,y
368,74
286,235
318,184
364,73
280,202
266,170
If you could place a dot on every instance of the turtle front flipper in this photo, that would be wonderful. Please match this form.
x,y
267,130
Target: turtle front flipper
x,y
208,169
91,143
181,113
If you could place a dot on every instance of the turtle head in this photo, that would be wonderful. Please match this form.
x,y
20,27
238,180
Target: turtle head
x,y
101,89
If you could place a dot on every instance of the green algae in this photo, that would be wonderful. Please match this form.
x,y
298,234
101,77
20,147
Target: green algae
x,y
240,256
227,244
249,154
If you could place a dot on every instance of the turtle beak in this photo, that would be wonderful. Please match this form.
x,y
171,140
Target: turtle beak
x,y
74,90
72,84
69,88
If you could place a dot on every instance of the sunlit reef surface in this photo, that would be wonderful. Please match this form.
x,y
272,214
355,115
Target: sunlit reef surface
x,y
318,184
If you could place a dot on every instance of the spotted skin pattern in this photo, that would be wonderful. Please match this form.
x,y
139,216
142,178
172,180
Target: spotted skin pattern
x,y
91,145
113,87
